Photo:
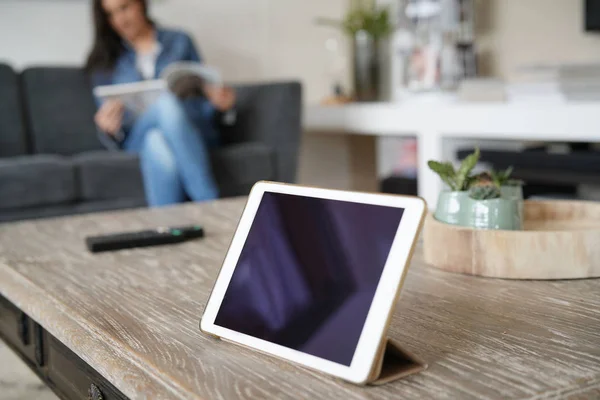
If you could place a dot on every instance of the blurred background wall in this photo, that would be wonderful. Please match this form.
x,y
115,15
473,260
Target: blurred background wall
x,y
272,39
512,33
247,39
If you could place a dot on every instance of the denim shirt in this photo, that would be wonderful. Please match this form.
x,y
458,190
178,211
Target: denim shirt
x,y
174,46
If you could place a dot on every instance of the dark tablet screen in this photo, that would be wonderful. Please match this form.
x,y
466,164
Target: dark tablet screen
x,y
308,272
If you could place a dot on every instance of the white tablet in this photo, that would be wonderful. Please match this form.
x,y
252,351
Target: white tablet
x,y
312,275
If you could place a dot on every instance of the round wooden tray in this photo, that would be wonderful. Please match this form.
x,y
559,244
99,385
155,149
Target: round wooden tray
x,y
560,240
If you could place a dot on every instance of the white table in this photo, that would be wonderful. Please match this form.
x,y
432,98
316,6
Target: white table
x,y
433,123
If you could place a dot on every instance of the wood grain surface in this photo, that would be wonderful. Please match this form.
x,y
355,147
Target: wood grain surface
x,y
134,315
561,240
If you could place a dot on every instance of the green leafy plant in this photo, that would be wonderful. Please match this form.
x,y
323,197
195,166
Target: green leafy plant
x,y
485,186
484,190
502,178
370,18
484,178
457,180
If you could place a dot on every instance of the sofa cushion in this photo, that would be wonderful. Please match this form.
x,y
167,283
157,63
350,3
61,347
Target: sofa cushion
x,y
242,164
12,129
60,110
39,180
269,113
104,175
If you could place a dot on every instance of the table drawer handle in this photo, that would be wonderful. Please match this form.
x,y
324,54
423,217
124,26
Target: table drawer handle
x,y
39,345
23,328
94,393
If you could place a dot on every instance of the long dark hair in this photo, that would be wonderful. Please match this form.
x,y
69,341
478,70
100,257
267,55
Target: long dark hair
x,y
108,45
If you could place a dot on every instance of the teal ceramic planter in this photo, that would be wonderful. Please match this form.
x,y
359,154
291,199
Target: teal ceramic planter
x,y
512,192
494,214
451,207
457,208
515,193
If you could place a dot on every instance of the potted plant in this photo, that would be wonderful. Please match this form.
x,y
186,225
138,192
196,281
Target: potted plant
x,y
452,203
367,25
489,200
492,204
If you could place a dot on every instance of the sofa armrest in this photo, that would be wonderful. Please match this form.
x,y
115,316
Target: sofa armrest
x,y
36,181
270,114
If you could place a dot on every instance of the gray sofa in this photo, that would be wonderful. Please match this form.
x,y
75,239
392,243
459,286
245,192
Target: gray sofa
x,y
52,163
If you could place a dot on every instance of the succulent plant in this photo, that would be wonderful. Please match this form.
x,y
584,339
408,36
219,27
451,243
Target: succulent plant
x,y
456,180
484,191
484,178
502,178
483,186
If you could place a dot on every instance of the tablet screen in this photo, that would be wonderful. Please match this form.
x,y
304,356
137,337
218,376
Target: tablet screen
x,y
308,272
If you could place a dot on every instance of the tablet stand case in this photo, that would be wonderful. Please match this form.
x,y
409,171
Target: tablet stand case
x,y
392,363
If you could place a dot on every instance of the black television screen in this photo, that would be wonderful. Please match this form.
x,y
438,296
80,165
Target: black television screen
x,y
592,15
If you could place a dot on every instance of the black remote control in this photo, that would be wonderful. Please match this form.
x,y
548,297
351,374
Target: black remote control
x,y
155,237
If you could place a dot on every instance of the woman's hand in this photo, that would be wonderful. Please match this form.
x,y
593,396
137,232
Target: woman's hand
x,y
222,98
110,117
187,86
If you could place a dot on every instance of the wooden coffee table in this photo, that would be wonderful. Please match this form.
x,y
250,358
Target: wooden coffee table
x,y
125,324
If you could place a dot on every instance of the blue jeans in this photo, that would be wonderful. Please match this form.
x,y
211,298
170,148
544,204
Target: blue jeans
x,y
174,155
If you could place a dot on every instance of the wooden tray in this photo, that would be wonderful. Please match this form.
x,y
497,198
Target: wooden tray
x,y
560,240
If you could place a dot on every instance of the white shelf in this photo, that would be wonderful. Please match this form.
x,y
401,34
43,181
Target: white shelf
x,y
433,123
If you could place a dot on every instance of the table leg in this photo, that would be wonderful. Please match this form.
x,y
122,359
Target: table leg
x,y
429,184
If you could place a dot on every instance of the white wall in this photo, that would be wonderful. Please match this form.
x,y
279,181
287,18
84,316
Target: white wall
x,y
248,39
44,32
521,32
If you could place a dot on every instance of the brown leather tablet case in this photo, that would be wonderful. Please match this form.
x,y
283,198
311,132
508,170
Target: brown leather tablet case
x,y
392,362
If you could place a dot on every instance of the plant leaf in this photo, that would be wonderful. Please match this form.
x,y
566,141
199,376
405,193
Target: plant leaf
x,y
465,169
496,177
485,192
471,180
374,20
501,178
446,172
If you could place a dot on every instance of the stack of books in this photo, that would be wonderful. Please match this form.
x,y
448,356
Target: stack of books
x,y
580,82
535,83
570,82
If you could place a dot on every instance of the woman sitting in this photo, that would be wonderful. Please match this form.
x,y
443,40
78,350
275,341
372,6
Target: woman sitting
x,y
172,136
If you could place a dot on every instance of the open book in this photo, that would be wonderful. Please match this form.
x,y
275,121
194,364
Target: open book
x,y
183,78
